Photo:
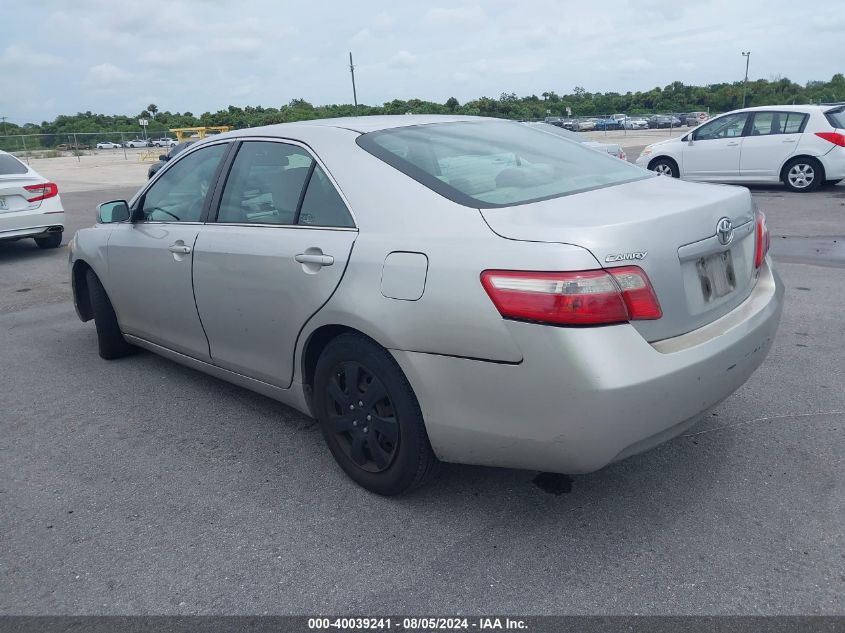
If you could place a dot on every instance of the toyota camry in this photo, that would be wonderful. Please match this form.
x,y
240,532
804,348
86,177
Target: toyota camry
x,y
432,289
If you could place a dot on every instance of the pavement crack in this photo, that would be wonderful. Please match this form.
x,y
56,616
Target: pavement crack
x,y
766,419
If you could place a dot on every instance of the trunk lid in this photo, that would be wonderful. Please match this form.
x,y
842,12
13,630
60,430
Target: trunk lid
x,y
13,196
666,227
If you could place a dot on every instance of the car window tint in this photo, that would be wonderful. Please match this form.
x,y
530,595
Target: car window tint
x,y
728,126
11,165
264,184
178,195
322,204
794,122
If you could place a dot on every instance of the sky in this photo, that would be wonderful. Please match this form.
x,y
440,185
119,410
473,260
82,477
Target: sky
x,y
116,57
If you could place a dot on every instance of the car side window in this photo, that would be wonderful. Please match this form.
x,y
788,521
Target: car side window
x,y
322,204
795,122
265,184
179,194
768,123
728,126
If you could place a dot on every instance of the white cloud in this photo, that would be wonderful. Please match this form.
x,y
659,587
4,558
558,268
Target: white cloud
x,y
382,22
455,17
102,75
403,59
236,45
22,57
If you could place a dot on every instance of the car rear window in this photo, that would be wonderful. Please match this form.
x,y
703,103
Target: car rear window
x,y
836,117
496,163
11,165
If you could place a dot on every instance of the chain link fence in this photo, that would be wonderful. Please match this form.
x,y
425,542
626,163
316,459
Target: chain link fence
x,y
79,144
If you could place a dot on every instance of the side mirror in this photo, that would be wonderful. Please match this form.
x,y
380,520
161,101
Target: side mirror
x,y
114,211
164,157
688,138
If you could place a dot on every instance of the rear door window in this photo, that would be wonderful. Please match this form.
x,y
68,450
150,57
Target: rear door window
x,y
265,184
322,204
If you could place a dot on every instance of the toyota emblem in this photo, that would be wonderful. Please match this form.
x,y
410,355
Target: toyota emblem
x,y
724,231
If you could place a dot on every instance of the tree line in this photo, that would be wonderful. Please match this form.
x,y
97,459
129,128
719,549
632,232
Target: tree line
x,y
675,97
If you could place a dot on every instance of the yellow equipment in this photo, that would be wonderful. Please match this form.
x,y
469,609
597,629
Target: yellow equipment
x,y
184,133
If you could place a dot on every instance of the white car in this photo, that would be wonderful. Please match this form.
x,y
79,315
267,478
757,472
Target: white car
x,y
635,123
137,143
29,204
802,146
165,141
108,145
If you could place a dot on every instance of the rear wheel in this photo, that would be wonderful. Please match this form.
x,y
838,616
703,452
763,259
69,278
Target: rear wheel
x,y
110,341
370,417
803,174
665,167
52,240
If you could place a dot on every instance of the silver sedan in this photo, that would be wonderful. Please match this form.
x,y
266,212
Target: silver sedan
x,y
439,289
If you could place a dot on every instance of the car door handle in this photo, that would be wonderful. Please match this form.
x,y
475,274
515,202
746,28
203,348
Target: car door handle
x,y
181,249
319,260
734,144
789,140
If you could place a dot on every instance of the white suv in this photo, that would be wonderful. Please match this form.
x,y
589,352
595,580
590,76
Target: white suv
x,y
802,146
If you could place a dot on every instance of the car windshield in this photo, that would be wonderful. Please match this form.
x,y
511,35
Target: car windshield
x,y
836,117
554,129
11,165
496,164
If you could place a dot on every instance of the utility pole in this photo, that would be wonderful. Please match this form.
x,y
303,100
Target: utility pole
x,y
352,72
3,118
747,56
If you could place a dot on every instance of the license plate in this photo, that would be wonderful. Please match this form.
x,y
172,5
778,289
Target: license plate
x,y
716,274
3,205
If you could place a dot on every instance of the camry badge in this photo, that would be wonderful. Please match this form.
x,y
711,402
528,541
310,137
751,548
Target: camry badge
x,y
622,257
724,231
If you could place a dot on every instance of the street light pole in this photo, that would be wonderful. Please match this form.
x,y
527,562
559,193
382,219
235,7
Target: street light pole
x,y
747,56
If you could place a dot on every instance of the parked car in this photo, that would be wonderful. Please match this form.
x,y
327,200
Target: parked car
x,y
608,124
583,125
164,141
697,118
635,123
30,205
108,145
662,120
137,142
66,147
611,148
483,316
162,160
800,146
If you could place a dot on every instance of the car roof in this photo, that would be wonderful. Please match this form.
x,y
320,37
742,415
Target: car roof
x,y
361,124
787,108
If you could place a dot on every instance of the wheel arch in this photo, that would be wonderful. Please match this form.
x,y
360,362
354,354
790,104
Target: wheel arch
x,y
815,159
313,347
79,284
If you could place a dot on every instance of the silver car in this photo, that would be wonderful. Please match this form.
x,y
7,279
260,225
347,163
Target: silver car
x,y
439,288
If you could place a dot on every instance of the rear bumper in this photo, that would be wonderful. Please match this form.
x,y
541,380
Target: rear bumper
x,y
583,398
19,224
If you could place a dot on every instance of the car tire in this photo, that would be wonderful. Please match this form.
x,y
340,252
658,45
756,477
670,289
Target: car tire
x,y
110,341
665,167
802,174
383,445
52,240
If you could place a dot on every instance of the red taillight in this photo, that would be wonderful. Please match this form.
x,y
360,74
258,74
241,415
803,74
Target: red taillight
x,y
761,246
42,191
621,155
834,137
588,297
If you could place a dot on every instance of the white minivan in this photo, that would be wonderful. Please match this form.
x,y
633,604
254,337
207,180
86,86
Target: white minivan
x,y
802,146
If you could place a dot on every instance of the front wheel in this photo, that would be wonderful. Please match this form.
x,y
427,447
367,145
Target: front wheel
x,y
665,167
802,175
370,417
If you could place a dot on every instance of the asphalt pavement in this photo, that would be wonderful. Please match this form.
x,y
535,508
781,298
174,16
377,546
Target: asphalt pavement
x,y
141,487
